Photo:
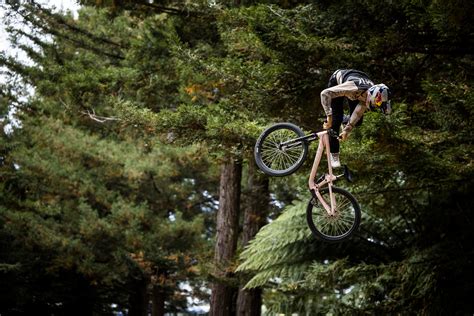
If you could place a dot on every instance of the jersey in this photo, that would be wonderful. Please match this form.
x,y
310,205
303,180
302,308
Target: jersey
x,y
352,84
361,79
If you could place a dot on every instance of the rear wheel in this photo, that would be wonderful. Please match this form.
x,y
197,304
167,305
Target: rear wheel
x,y
339,226
275,152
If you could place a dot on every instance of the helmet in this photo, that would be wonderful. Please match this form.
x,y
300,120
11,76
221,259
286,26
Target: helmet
x,y
378,97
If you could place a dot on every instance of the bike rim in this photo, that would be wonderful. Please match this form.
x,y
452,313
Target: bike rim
x,y
280,159
339,224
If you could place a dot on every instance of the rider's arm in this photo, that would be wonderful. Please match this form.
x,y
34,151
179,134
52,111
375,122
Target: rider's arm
x,y
355,117
346,89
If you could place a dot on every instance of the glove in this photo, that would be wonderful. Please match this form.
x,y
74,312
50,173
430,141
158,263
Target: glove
x,y
343,136
328,123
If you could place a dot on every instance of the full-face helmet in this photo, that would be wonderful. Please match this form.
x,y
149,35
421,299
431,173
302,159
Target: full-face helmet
x,y
378,97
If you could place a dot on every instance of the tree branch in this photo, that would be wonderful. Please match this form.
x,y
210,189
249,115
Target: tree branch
x,y
60,20
170,10
98,118
49,28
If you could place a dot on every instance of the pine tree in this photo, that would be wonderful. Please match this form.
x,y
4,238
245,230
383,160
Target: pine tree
x,y
124,78
94,205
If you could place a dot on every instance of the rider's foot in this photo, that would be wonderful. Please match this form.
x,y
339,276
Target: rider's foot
x,y
335,163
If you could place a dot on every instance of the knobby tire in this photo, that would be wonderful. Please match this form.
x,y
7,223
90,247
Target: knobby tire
x,y
275,161
339,227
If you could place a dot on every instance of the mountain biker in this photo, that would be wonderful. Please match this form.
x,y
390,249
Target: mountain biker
x,y
361,93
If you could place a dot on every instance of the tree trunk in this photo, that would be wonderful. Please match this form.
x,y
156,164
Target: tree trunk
x,y
138,299
157,301
223,293
249,302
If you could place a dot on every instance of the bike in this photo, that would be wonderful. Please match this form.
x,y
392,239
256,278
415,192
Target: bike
x,y
333,214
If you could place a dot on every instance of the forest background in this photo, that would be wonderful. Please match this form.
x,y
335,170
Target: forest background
x,y
126,171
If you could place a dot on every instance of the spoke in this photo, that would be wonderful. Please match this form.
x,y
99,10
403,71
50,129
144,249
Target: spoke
x,y
343,204
275,158
279,161
342,228
272,156
269,154
346,215
288,158
343,220
295,153
324,225
348,220
269,146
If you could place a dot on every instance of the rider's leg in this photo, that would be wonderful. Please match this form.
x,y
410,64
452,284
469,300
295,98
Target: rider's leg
x,y
337,106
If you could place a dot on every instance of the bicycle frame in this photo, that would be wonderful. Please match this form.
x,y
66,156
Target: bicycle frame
x,y
328,179
297,141
333,213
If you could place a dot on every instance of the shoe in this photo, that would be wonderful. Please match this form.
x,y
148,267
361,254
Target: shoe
x,y
335,163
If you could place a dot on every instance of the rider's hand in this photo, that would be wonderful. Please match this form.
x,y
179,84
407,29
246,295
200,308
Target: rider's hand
x,y
328,123
343,136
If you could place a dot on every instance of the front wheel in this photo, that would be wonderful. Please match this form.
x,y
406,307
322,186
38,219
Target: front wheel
x,y
279,151
339,226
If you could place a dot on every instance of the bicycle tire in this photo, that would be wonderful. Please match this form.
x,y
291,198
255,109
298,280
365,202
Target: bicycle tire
x,y
274,161
334,228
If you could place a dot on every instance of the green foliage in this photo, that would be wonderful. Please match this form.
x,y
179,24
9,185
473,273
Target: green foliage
x,y
99,209
412,168
410,192
292,224
95,200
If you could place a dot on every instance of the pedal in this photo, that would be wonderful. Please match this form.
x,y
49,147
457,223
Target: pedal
x,y
348,174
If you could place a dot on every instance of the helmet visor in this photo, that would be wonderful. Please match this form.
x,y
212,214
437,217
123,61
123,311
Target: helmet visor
x,y
386,108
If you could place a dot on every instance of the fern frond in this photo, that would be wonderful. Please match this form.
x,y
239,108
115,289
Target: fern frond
x,y
284,240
